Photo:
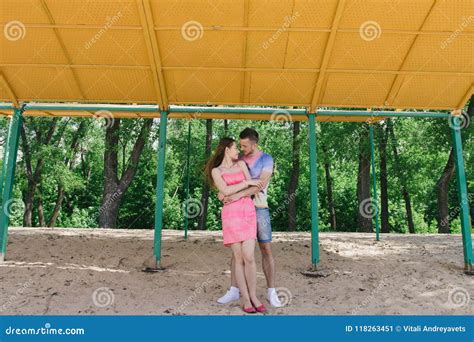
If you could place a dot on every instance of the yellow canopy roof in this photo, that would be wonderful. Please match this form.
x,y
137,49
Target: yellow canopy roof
x,y
329,53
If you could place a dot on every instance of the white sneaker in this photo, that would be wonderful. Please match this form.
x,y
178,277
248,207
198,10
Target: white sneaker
x,y
273,299
231,295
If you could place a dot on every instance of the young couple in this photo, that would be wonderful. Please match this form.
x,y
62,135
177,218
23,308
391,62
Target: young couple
x,y
242,182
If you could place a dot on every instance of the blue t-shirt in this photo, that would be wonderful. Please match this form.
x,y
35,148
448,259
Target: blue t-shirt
x,y
257,164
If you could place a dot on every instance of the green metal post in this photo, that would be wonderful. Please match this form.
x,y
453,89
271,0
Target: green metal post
x,y
4,162
9,166
313,167
188,152
463,195
374,184
160,182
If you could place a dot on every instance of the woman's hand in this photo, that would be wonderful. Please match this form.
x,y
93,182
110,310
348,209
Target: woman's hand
x,y
255,182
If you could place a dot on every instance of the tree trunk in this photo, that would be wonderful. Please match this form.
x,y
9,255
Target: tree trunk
x,y
115,188
366,209
57,207
205,188
226,127
68,161
295,174
442,187
33,175
385,227
331,209
401,177
40,207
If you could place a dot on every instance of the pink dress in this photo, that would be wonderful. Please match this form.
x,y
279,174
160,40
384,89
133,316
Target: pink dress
x,y
239,218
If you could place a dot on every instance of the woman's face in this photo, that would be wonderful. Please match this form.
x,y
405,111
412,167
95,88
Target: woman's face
x,y
233,151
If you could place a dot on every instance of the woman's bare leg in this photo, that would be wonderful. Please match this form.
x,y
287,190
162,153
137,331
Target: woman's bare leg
x,y
240,274
233,281
248,253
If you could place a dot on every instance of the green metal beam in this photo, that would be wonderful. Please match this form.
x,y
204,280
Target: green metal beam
x,y
92,107
313,167
4,161
374,184
226,110
160,182
186,202
462,194
384,114
10,165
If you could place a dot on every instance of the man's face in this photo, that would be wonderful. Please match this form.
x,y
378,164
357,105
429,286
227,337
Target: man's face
x,y
247,146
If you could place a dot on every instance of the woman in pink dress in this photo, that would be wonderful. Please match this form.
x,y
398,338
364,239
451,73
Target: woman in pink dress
x,y
239,220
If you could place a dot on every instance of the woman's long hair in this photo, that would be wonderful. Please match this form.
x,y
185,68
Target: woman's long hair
x,y
217,158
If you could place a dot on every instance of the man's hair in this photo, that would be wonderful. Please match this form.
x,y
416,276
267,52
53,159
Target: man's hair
x,y
249,133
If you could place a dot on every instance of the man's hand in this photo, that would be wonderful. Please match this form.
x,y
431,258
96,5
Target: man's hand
x,y
221,197
232,198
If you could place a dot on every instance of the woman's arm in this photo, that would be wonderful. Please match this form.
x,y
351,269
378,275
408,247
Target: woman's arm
x,y
252,182
244,168
225,189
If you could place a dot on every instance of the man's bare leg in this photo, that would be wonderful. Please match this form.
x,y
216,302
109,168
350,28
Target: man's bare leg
x,y
268,264
233,281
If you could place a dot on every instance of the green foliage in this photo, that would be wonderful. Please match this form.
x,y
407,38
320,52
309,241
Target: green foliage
x,y
423,146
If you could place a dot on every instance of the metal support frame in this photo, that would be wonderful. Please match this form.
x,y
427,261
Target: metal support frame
x,y
11,150
186,201
160,182
462,194
313,167
8,170
374,201
4,161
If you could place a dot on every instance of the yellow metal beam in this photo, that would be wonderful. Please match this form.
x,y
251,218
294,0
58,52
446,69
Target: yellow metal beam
x,y
397,83
466,98
237,28
63,48
230,69
327,55
146,19
245,84
9,90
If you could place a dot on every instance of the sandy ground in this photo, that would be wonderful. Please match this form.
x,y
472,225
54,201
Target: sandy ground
x,y
99,272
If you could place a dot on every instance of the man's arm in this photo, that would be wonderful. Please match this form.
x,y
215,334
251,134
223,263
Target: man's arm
x,y
264,178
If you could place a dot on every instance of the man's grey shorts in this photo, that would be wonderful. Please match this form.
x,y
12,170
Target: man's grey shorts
x,y
264,227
